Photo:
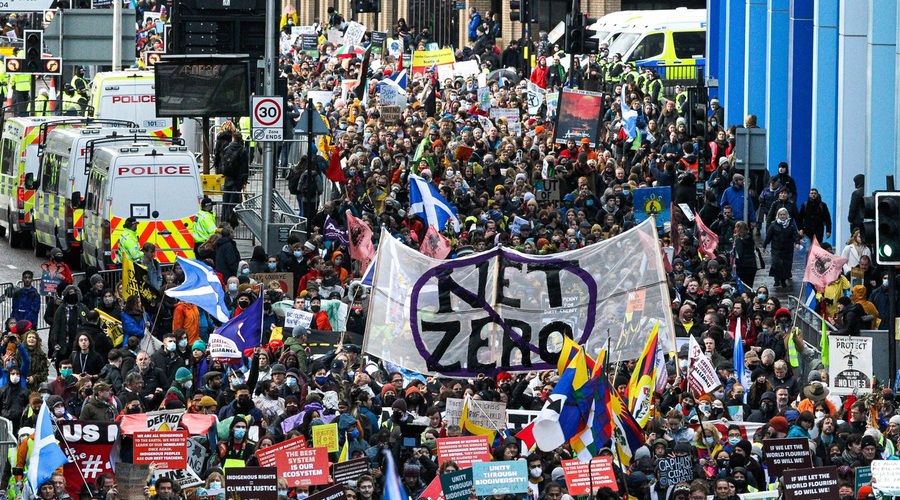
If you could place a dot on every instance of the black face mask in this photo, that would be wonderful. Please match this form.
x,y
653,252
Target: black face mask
x,y
72,298
315,309
415,400
291,410
388,401
132,411
244,400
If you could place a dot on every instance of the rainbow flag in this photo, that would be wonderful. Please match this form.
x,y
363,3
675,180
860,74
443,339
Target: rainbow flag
x,y
643,380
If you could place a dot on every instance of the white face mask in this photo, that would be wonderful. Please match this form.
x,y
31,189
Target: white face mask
x,y
14,379
536,472
820,414
59,411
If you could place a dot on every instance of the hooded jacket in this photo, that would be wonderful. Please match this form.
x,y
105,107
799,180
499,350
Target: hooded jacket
x,y
66,320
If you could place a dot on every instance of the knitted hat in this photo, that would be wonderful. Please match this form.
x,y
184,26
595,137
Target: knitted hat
x,y
96,279
779,423
278,368
198,345
183,375
206,402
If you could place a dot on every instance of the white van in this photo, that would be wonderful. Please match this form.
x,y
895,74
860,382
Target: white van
x,y
611,25
672,37
59,200
156,183
129,95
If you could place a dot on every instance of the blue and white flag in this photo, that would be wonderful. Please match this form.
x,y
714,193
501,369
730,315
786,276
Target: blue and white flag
x,y
629,117
46,455
369,276
392,488
398,77
202,288
240,333
810,301
740,373
426,201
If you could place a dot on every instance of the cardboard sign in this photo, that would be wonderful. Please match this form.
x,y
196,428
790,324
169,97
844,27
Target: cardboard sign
x,y
131,479
252,483
294,317
350,470
818,484
885,477
674,470
335,492
168,449
457,485
326,436
500,478
787,454
581,476
186,478
164,420
391,114
354,34
489,414
453,410
464,450
850,368
303,466
267,456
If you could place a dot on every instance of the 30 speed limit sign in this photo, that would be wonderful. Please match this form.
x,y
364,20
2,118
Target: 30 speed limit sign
x,y
267,118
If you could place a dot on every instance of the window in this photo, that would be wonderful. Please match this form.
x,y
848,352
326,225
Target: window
x,y
50,173
8,157
95,187
689,44
651,46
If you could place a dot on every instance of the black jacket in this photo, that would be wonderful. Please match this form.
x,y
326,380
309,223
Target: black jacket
x,y
227,257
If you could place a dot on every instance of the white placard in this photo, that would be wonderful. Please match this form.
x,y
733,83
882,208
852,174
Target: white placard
x,y
294,317
354,34
850,365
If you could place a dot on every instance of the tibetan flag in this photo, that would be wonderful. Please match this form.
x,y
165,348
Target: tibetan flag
x,y
643,380
627,434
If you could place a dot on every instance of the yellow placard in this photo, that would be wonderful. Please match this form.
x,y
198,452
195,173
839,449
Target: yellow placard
x,y
424,59
326,436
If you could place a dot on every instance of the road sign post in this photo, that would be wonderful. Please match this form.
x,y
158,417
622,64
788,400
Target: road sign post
x,y
267,118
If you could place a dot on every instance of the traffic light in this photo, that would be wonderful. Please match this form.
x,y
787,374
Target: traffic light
x,y
887,224
519,11
34,46
869,228
574,42
589,43
366,6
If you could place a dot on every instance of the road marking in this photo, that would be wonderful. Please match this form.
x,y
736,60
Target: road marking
x,y
11,266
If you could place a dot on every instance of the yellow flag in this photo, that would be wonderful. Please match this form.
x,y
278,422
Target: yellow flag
x,y
471,427
112,327
129,279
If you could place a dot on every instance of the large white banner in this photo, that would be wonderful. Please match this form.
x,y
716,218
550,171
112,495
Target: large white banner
x,y
502,310
850,365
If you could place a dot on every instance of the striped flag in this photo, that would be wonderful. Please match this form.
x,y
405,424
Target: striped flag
x,y
643,380
392,488
738,358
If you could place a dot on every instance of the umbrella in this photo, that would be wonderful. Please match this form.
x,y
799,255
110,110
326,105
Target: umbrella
x,y
507,74
346,51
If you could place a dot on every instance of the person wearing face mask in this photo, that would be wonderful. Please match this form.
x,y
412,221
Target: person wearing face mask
x,y
168,358
13,396
707,443
236,449
242,405
66,321
320,319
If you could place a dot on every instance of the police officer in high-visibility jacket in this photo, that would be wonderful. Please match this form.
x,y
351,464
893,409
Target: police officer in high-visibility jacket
x,y
129,243
41,104
20,86
71,103
205,223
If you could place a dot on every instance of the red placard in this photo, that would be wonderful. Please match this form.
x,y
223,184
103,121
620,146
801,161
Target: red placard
x,y
464,450
303,466
266,456
166,449
580,479
434,491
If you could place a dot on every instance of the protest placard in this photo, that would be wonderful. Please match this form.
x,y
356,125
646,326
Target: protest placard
x,y
433,491
251,483
303,466
164,420
453,411
674,470
464,450
426,59
266,456
197,454
326,436
786,454
850,369
500,478
335,492
702,378
350,470
391,113
285,280
131,479
811,484
489,414
166,449
581,476
186,478
885,477
378,39
294,317
516,420
457,485
354,34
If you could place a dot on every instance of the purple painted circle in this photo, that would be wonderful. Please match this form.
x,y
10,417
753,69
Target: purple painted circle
x,y
563,265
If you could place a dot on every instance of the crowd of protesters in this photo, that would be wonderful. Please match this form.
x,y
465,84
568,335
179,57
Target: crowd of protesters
x,y
710,297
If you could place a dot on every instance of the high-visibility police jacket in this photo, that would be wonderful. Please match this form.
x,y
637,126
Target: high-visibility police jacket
x,y
41,106
204,226
70,102
20,82
130,245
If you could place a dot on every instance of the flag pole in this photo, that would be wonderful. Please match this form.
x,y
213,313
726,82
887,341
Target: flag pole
x,y
69,451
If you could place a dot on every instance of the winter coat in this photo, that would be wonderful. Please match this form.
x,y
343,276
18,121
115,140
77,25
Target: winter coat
x,y
66,320
782,239
814,219
227,257
26,304
13,400
40,365
97,410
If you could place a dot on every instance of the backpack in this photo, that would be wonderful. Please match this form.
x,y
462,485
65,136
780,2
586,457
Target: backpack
x,y
294,181
230,158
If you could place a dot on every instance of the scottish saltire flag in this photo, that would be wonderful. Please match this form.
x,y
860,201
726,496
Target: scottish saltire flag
x,y
740,372
369,275
426,201
46,455
240,333
629,117
392,488
399,78
202,288
810,300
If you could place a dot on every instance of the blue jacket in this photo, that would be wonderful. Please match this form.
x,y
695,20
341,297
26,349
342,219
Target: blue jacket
x,y
735,198
133,328
26,305
474,23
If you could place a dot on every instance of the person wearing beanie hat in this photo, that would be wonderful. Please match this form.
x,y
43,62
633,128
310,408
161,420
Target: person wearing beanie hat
x,y
779,427
412,480
199,345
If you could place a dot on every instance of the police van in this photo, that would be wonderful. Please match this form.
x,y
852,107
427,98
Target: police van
x,y
129,95
18,171
664,40
155,181
62,175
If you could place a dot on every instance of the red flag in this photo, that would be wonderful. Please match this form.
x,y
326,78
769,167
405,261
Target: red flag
x,y
822,266
709,240
361,246
334,172
435,244
526,435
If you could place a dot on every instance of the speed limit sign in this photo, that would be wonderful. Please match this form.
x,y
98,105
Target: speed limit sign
x,y
267,118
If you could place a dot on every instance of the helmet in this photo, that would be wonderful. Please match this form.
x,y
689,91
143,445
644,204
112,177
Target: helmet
x,y
131,221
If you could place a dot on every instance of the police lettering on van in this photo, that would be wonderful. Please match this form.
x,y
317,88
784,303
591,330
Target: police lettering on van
x,y
157,184
129,95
